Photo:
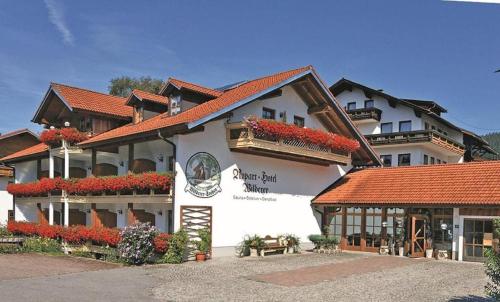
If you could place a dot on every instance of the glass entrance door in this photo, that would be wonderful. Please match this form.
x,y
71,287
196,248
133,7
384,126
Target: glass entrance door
x,y
477,238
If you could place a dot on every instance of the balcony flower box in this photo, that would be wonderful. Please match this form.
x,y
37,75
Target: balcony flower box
x,y
95,186
271,129
54,137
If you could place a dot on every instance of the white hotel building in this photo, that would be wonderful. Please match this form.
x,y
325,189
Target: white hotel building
x,y
227,178
406,131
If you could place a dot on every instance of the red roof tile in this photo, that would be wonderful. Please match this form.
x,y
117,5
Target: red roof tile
x,y
194,87
33,150
143,95
200,111
459,184
93,101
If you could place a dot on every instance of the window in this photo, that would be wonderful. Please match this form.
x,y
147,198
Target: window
x,y
426,159
373,227
439,161
269,114
298,121
386,160
334,220
426,126
444,162
432,160
404,159
369,104
351,106
404,126
395,223
353,226
386,127
442,227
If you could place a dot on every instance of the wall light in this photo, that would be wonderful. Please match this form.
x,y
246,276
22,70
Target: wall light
x,y
120,212
160,213
384,224
66,124
160,158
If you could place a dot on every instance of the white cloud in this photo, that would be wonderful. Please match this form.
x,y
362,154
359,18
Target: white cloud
x,y
56,17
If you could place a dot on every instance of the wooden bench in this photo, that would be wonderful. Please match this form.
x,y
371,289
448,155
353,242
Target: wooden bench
x,y
272,245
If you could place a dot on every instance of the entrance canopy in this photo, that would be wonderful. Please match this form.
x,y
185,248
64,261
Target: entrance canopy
x,y
465,184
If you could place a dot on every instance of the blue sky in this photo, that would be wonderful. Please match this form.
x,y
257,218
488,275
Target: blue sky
x,y
442,51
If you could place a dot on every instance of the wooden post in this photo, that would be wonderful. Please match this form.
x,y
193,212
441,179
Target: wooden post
x,y
130,214
41,216
94,218
130,157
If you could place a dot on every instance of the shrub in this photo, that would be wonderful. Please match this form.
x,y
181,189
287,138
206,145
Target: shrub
x,y
203,245
136,245
4,232
161,242
41,245
177,247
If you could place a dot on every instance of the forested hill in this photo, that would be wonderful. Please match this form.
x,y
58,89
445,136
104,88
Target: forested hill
x,y
494,140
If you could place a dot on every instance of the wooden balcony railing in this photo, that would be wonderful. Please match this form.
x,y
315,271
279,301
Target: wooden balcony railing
x,y
240,138
149,196
365,114
419,136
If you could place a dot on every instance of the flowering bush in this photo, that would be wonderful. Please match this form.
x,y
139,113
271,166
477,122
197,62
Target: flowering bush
x,y
93,185
280,130
161,242
53,137
136,245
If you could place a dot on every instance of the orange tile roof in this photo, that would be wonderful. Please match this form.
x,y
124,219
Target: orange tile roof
x,y
475,183
93,101
33,150
144,95
200,111
194,87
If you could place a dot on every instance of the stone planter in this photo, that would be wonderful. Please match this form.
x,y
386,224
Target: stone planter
x,y
254,252
401,251
428,253
384,250
291,250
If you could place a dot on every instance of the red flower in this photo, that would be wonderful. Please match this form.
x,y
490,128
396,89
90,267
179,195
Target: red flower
x,y
161,242
280,130
53,137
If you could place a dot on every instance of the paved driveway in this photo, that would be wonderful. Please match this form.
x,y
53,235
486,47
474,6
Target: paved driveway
x,y
307,277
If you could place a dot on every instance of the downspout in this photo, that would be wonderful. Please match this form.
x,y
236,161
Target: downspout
x,y
174,149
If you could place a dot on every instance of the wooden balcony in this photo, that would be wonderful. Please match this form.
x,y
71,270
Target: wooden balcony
x,y
365,114
419,136
240,138
118,197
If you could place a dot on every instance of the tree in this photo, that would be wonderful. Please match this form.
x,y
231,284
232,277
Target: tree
x,y
123,86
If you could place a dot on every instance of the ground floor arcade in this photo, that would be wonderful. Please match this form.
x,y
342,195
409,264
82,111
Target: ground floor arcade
x,y
104,214
456,233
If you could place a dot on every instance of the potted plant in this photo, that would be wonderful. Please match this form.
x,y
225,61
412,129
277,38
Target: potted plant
x,y
400,238
203,245
293,243
256,245
317,240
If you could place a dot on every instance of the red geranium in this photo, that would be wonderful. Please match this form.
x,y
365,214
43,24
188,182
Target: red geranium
x,y
161,242
280,130
53,137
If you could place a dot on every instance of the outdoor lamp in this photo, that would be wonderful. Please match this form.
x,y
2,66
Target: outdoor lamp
x,y
444,226
52,127
160,213
120,212
66,124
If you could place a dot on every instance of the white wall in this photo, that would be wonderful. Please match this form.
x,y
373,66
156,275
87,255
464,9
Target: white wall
x,y
6,202
289,102
286,208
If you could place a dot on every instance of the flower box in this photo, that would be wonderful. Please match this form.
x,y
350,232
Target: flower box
x,y
54,137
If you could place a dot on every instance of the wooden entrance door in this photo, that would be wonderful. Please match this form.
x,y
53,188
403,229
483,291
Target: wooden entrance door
x,y
418,236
